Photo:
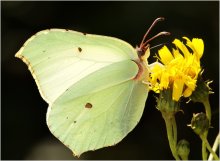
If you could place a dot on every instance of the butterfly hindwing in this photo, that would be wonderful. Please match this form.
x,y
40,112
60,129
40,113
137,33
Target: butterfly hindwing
x,y
98,118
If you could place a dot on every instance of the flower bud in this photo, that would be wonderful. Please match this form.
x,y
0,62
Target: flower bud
x,y
202,90
183,149
165,103
200,123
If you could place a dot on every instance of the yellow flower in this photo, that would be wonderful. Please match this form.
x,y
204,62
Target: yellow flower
x,y
177,72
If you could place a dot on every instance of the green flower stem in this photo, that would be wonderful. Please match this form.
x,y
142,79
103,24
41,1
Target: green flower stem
x,y
204,152
170,133
207,108
208,114
209,147
174,127
215,146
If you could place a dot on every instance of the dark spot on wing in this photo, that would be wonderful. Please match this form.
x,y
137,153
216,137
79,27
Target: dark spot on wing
x,y
74,122
84,33
44,51
67,29
80,49
88,105
67,117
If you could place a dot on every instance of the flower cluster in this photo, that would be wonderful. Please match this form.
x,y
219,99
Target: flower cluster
x,y
179,70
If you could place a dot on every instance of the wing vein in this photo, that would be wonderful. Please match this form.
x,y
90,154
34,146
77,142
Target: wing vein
x,y
127,102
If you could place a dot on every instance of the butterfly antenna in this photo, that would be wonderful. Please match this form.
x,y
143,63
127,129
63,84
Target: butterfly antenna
x,y
159,34
157,45
152,25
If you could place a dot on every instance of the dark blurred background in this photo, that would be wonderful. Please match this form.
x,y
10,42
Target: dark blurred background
x,y
24,131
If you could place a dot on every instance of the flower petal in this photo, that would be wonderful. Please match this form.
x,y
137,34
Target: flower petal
x,y
190,83
177,54
155,74
182,47
187,92
177,89
165,55
197,45
164,80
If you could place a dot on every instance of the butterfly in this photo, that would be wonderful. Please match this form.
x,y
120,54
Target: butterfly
x,y
94,85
